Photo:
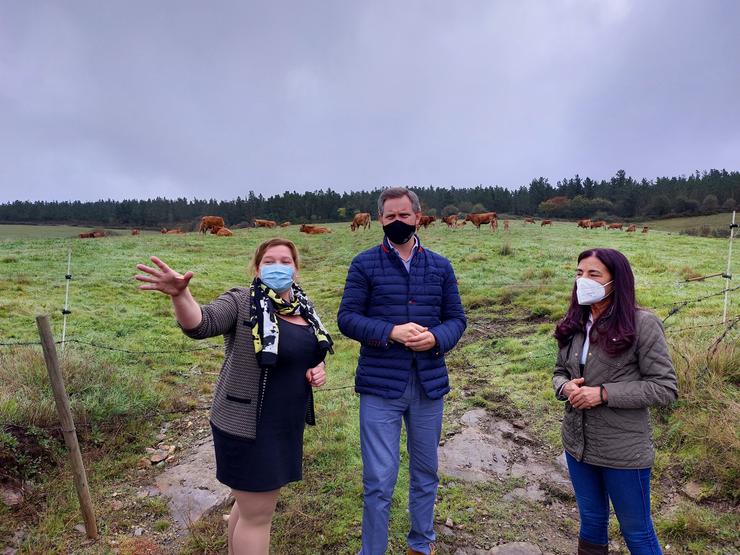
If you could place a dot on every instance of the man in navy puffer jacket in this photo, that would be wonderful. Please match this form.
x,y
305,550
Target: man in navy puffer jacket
x,y
402,304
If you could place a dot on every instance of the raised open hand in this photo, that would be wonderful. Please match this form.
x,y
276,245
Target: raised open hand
x,y
163,278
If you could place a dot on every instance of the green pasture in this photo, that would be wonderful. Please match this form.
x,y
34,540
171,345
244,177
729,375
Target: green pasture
x,y
713,221
14,231
514,285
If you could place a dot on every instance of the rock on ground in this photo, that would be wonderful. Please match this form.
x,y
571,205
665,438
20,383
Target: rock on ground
x,y
191,487
515,548
488,448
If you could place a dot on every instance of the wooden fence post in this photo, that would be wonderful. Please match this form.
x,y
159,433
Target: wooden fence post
x,y
68,426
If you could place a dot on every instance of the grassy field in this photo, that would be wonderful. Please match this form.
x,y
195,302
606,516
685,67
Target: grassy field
x,y
13,231
514,287
713,221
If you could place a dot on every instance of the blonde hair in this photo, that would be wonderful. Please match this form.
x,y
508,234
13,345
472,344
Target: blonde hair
x,y
276,242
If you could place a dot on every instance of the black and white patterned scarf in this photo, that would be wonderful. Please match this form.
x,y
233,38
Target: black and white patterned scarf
x,y
266,305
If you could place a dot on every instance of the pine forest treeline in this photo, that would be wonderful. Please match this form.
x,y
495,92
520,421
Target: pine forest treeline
x,y
619,197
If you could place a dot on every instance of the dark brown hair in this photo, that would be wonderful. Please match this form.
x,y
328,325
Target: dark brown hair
x,y
615,329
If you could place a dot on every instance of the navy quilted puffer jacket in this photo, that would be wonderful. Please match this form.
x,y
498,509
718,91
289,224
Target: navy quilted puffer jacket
x,y
379,294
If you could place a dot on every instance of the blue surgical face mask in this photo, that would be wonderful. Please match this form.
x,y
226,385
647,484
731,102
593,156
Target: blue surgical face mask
x,y
278,277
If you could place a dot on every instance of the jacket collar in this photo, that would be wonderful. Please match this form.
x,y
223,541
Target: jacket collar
x,y
388,248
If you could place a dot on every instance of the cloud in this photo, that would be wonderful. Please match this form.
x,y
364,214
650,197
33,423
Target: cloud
x,y
192,99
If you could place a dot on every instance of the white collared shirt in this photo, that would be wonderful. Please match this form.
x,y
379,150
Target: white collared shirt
x,y
587,341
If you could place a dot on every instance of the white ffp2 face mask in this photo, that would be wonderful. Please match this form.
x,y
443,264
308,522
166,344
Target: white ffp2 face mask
x,y
589,291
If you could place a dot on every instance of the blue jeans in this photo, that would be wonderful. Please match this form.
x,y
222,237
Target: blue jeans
x,y
629,491
380,438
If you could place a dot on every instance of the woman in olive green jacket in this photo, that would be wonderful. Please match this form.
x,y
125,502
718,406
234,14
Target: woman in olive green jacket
x,y
612,366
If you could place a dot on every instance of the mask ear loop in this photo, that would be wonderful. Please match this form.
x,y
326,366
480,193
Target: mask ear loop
x,y
610,292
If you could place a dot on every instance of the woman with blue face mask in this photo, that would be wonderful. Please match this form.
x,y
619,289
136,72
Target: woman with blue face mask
x,y
275,348
613,365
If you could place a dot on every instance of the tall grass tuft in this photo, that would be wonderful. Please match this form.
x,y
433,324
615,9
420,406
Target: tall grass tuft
x,y
703,427
99,394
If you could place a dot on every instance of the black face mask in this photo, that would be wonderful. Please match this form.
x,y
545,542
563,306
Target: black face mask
x,y
399,232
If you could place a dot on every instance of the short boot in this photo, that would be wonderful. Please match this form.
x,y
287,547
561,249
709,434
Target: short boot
x,y
588,548
432,551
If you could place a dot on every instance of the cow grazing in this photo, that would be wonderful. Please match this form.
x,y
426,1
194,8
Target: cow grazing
x,y
615,226
425,222
585,224
285,224
645,229
314,230
450,220
529,221
135,232
361,219
598,223
631,228
481,218
265,223
223,232
210,222
546,222
506,225
87,235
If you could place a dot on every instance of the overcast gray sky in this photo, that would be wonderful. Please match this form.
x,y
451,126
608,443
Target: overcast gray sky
x,y
136,99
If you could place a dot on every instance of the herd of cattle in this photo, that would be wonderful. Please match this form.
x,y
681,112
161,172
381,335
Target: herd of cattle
x,y
215,224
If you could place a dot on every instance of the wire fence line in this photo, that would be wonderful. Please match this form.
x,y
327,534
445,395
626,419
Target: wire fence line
x,y
677,306
513,358
219,347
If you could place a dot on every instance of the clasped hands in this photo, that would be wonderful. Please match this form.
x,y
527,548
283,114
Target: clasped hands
x,y
582,396
413,336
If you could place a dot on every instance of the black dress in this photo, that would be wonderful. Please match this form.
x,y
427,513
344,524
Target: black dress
x,y
274,458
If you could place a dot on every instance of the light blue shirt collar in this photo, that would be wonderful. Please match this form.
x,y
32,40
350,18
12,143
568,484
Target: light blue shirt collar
x,y
406,263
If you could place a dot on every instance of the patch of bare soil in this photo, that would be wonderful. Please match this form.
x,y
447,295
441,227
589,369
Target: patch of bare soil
x,y
482,328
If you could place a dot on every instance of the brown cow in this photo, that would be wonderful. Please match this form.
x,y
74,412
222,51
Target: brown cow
x,y
360,219
529,221
631,228
98,233
177,231
313,229
481,218
425,222
210,222
90,235
494,224
645,229
265,223
615,226
545,222
585,224
597,223
285,224
223,232
450,220
506,225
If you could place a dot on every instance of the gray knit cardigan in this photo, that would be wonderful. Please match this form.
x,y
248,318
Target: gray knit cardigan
x,y
240,389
